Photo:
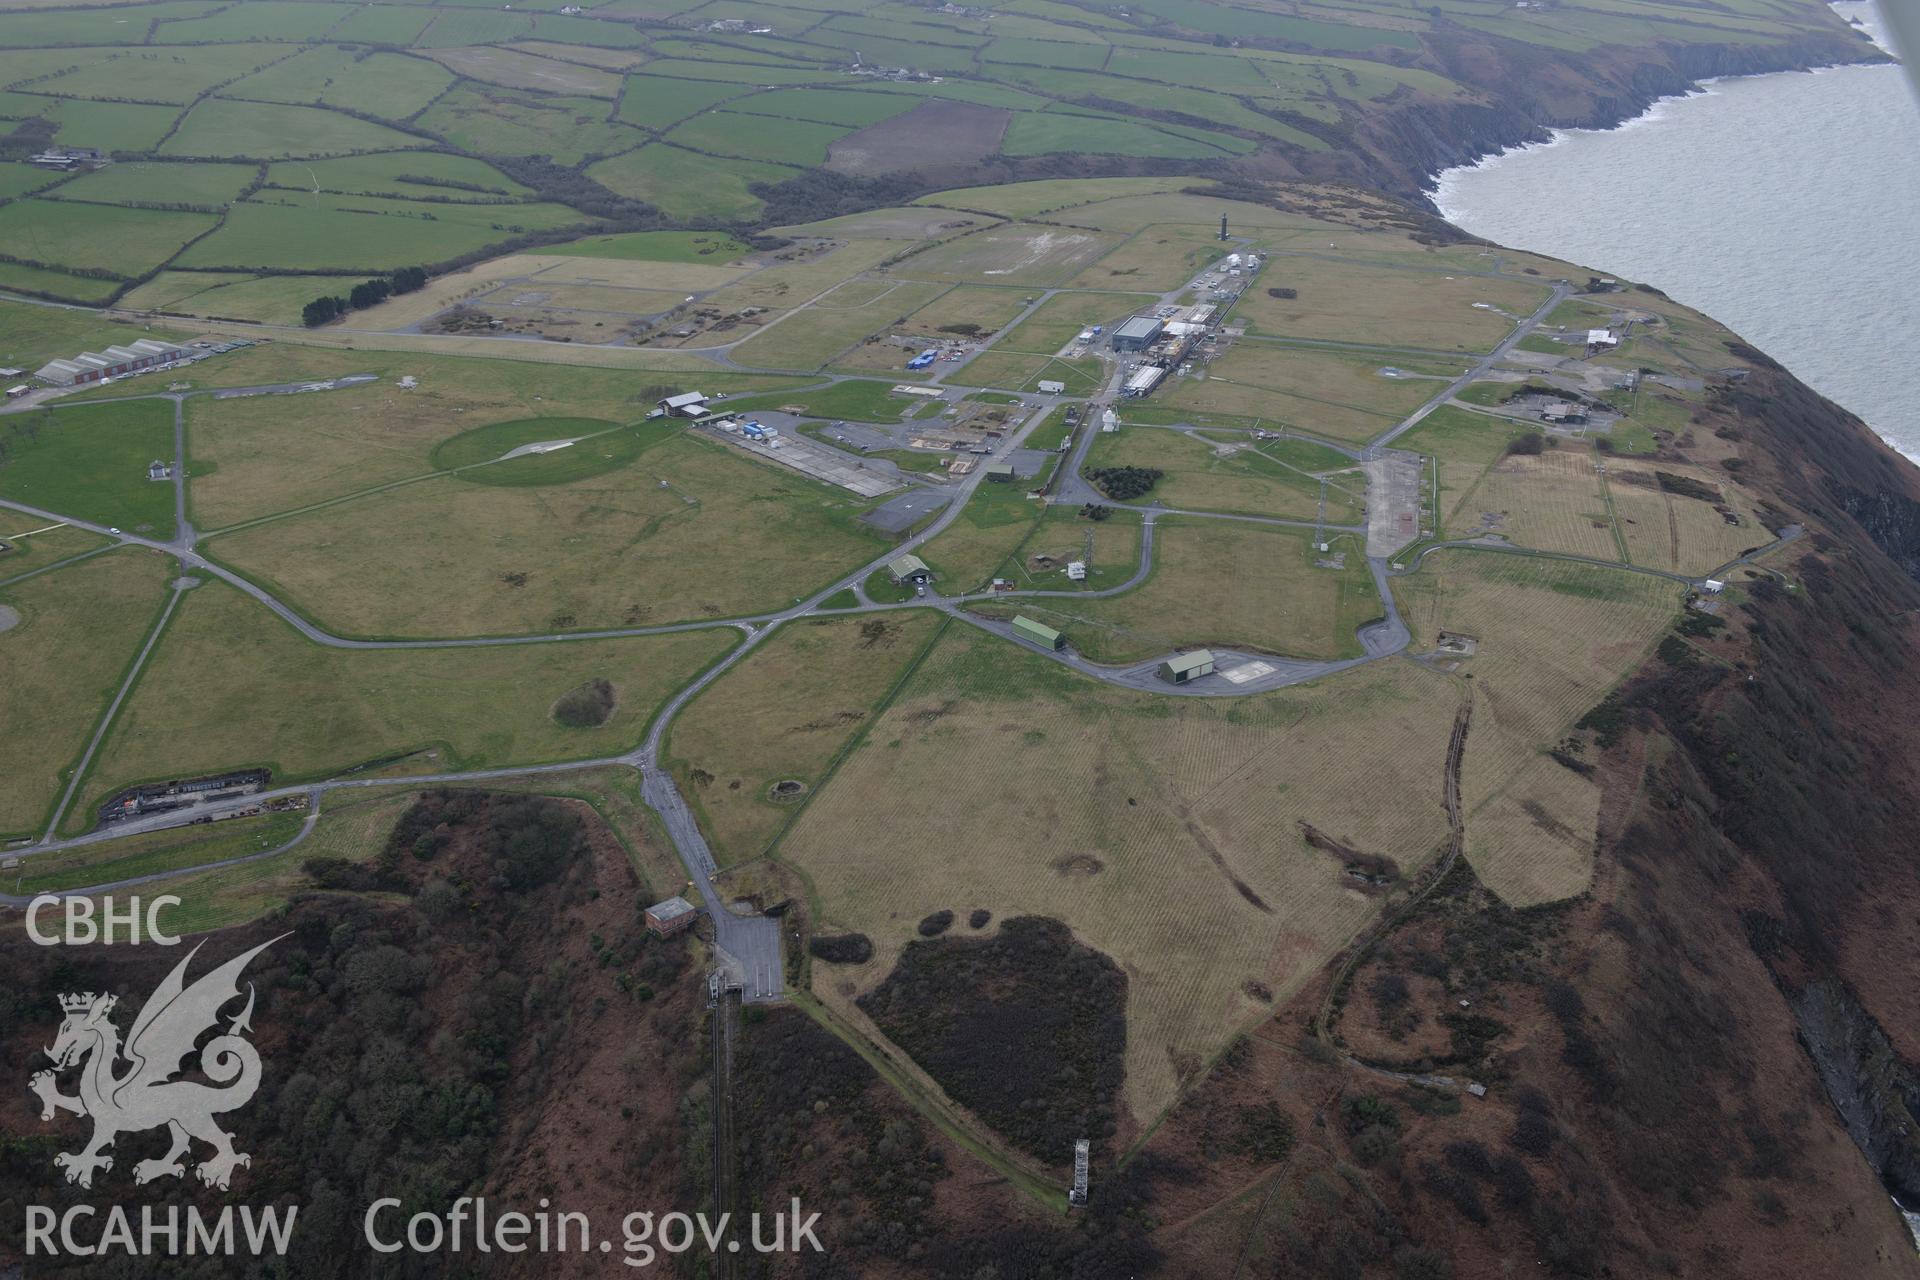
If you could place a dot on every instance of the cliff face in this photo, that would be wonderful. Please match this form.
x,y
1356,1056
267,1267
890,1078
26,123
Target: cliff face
x,y
1525,90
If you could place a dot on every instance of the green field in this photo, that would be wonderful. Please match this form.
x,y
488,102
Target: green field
x,y
268,131
687,184
1229,584
763,138
80,628
232,686
364,233
633,547
153,183
968,553
1244,475
399,173
159,75
98,237
655,102
90,461
784,715
1035,133
378,84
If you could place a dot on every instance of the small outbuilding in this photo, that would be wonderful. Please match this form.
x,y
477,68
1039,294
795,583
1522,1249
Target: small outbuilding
x,y
909,570
1046,637
1051,388
675,915
1183,667
998,473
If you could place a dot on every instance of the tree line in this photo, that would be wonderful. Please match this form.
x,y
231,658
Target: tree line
x,y
363,295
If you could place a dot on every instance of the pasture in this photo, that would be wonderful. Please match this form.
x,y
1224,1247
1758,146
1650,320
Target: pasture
x,y
220,129
360,233
1230,584
1164,832
158,75
686,184
97,237
147,182
80,628
90,462
630,548
784,714
398,173
230,295
379,84
232,686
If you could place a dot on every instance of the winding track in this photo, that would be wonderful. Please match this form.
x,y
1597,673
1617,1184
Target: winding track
x,y
752,943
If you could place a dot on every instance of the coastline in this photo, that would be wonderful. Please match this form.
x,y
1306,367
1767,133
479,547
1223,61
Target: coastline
x,y
1725,208
1865,15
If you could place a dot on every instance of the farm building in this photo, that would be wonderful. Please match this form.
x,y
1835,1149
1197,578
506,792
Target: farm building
x,y
1563,411
688,404
909,568
92,366
1182,667
1136,334
1025,628
675,915
1000,472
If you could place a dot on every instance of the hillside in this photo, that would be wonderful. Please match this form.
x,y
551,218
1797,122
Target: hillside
x,y
263,156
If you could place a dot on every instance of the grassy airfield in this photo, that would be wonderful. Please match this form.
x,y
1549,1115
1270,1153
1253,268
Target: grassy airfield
x,y
937,765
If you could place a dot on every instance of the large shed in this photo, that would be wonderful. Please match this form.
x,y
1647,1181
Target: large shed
x,y
1046,637
1182,667
1136,334
909,568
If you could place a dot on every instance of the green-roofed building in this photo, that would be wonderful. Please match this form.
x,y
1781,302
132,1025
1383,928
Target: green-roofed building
x,y
1182,667
910,570
1035,633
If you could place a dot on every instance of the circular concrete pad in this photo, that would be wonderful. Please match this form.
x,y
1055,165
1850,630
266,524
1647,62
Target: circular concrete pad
x,y
9,617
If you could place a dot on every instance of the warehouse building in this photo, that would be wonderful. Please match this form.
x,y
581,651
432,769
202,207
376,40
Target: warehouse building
x,y
909,570
675,915
1025,628
999,473
92,366
1136,334
1143,381
690,404
1182,667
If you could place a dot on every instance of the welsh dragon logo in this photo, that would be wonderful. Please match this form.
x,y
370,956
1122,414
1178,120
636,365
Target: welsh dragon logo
x,y
129,1088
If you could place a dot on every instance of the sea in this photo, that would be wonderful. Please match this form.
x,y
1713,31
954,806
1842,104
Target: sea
x,y
1785,206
